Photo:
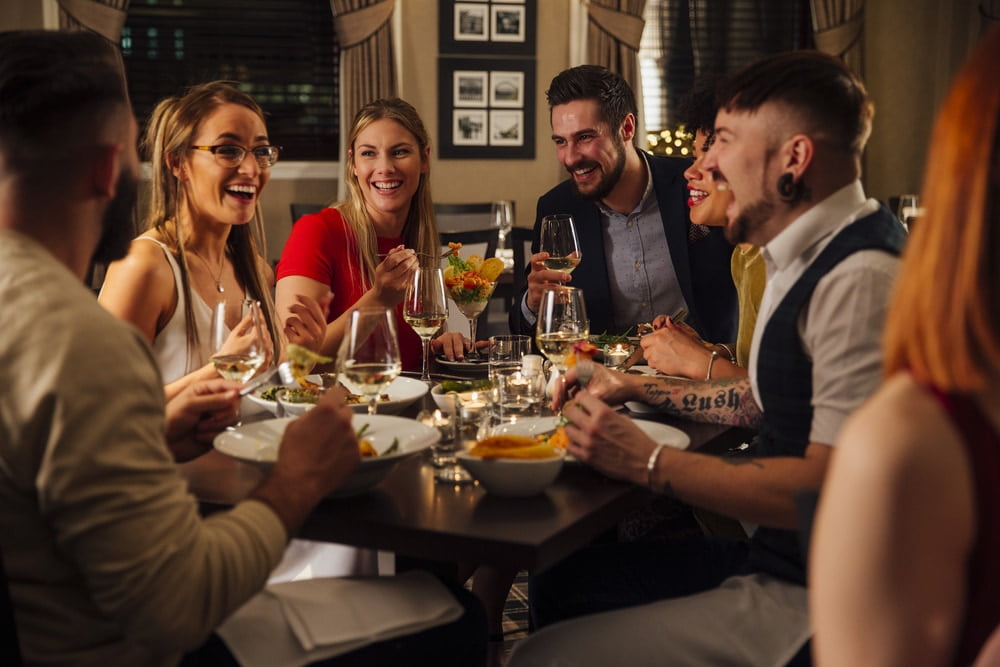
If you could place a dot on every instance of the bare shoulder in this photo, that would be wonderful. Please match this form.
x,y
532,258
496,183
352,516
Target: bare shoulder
x,y
900,428
143,273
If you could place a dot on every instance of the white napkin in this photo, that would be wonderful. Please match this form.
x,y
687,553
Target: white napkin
x,y
327,617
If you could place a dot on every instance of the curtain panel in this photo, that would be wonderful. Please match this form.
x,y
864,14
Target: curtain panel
x,y
105,17
367,66
613,34
838,27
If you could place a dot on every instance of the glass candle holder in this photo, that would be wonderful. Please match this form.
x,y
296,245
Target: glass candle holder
x,y
616,354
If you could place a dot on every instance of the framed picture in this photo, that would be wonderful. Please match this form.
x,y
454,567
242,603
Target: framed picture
x,y
469,127
507,89
472,22
497,28
507,23
486,108
507,128
470,88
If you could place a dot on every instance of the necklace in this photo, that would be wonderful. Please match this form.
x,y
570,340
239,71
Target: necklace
x,y
218,276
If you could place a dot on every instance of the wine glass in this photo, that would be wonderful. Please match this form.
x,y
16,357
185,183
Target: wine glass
x,y
369,354
425,308
562,322
503,220
241,358
909,210
557,237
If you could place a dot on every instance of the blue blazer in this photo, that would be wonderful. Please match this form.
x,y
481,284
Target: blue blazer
x,y
703,267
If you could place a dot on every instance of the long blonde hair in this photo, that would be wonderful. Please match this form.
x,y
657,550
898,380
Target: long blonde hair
x,y
944,323
170,132
420,229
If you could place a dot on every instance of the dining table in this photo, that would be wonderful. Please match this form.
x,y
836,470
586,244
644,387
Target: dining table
x,y
410,514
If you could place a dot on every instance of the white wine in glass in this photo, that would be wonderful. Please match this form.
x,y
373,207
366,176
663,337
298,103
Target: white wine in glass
x,y
425,309
557,236
243,362
562,322
369,354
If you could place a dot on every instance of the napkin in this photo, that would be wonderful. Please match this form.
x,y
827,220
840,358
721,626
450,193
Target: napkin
x,y
327,617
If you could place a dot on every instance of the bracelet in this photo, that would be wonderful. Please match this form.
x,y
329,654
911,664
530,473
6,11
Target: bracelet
x,y
711,360
651,465
729,350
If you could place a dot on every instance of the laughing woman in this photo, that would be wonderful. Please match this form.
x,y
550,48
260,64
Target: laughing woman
x,y
365,250
211,159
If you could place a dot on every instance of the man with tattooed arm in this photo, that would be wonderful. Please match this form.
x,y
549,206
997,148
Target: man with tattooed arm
x,y
789,137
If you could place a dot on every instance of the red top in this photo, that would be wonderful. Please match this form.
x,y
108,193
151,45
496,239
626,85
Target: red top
x,y
982,444
323,247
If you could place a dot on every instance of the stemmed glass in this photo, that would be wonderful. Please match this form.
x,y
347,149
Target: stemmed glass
x,y
562,322
425,308
241,358
909,210
471,297
369,354
503,220
557,236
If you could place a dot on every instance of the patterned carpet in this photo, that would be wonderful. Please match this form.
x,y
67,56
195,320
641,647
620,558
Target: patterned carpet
x,y
515,619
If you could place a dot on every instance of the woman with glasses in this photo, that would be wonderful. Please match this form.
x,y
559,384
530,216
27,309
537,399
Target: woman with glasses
x,y
365,250
211,158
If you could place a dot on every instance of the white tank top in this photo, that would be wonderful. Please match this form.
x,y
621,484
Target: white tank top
x,y
170,344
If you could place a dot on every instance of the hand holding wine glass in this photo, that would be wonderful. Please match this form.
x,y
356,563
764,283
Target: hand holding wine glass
x,y
369,354
557,237
425,308
239,353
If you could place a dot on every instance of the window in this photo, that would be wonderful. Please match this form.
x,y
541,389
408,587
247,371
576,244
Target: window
x,y
684,41
284,54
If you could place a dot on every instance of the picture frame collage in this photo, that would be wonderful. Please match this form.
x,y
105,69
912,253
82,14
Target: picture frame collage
x,y
486,79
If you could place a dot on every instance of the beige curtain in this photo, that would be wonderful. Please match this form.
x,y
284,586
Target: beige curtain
x,y
105,17
838,26
367,67
613,34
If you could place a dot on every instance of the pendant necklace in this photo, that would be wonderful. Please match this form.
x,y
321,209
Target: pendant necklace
x,y
218,276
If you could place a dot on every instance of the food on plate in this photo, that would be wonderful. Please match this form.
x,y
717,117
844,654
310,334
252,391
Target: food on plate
x,y
461,386
365,446
608,339
513,447
581,350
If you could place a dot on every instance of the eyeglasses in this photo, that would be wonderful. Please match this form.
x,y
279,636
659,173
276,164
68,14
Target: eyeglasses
x,y
231,155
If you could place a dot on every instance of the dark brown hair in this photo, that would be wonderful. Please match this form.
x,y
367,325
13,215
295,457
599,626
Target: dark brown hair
x,y
614,96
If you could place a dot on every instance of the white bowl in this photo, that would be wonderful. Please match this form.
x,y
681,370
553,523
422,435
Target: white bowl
x,y
258,443
292,408
512,477
446,402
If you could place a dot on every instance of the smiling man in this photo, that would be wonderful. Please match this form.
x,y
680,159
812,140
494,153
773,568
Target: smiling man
x,y
789,137
641,256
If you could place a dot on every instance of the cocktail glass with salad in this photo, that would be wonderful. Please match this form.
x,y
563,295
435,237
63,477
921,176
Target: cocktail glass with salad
x,y
470,283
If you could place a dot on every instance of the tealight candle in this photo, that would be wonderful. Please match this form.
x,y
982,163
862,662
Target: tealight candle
x,y
616,354
473,406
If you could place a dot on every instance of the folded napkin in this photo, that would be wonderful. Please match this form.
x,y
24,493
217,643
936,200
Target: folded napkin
x,y
298,622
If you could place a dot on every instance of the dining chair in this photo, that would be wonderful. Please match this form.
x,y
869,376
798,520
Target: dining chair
x,y
10,650
299,209
464,217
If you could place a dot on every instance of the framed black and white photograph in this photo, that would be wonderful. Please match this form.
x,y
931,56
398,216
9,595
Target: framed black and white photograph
x,y
507,89
486,108
507,23
500,28
469,127
472,22
506,128
470,88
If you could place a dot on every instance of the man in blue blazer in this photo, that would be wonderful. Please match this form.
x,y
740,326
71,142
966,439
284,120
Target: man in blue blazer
x,y
640,254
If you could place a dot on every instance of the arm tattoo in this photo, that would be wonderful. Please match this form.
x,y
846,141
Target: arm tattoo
x,y
725,401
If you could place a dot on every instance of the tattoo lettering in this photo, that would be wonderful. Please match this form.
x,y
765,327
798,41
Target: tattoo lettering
x,y
726,401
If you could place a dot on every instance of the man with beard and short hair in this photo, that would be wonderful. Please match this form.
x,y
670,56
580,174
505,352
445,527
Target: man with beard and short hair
x,y
108,561
641,255
790,133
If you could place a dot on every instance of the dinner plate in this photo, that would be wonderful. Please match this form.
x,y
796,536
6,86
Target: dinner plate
x,y
465,366
402,391
258,443
659,433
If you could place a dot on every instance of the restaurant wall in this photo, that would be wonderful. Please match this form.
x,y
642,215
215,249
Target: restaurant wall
x,y
485,180
913,48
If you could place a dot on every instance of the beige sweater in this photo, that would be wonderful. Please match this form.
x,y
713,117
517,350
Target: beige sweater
x,y
108,559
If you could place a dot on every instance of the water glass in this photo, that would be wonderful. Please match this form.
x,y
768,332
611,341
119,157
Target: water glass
x,y
518,396
506,352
